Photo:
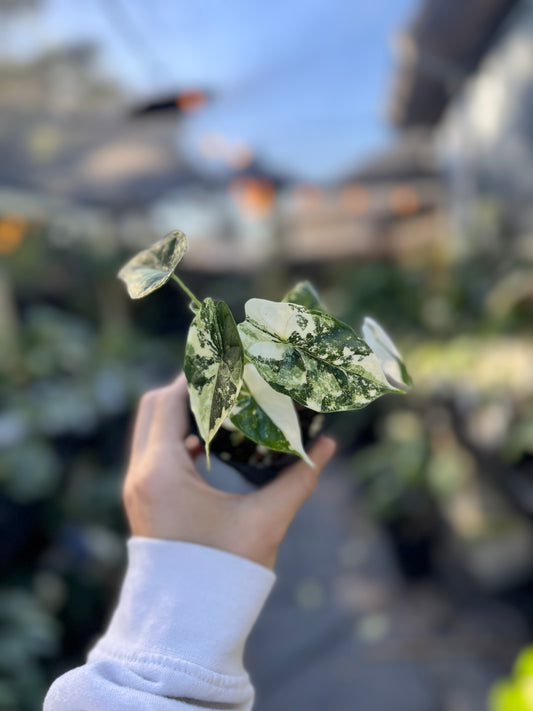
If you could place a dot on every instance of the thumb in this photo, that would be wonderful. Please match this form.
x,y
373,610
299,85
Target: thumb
x,y
194,446
283,496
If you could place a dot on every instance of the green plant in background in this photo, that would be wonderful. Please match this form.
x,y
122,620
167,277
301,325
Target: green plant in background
x,y
29,634
283,352
84,354
72,367
515,693
392,470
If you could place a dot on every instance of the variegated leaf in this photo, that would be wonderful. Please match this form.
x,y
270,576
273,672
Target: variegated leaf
x,y
213,366
153,267
388,355
268,417
312,357
304,294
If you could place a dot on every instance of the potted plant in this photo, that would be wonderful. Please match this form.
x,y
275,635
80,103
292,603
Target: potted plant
x,y
246,381
392,477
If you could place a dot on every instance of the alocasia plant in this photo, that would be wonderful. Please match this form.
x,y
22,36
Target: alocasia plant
x,y
249,376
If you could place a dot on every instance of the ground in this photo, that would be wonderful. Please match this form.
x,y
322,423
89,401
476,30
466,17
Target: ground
x,y
343,631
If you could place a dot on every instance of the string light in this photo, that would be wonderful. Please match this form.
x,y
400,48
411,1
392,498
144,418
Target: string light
x,y
404,201
191,101
12,230
254,196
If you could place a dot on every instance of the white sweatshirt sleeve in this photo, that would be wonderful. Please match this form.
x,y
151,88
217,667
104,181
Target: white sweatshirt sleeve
x,y
177,636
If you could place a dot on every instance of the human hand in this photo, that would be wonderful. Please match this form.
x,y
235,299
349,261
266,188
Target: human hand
x,y
165,496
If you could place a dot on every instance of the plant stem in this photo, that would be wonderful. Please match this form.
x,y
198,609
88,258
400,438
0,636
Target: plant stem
x,y
186,290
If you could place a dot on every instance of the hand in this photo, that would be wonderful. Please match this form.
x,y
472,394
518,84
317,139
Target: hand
x,y
165,497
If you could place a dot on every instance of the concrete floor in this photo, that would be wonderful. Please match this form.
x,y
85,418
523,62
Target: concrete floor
x,y
342,631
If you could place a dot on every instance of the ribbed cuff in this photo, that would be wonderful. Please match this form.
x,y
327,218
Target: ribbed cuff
x,y
188,602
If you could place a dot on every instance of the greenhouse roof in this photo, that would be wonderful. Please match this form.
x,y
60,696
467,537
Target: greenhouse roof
x,y
438,50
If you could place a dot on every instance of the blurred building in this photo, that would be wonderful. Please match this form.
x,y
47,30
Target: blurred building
x,y
80,159
389,207
465,75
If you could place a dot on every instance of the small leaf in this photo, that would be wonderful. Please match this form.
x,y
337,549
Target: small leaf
x,y
153,267
388,355
506,696
313,358
524,664
268,417
304,294
213,366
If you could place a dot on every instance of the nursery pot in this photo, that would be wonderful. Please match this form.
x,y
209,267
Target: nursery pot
x,y
255,462
414,539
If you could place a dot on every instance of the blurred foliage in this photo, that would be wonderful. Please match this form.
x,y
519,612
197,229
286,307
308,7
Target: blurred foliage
x,y
452,461
516,693
73,361
454,456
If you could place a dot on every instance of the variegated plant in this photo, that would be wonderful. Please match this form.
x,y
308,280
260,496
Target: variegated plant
x,y
247,376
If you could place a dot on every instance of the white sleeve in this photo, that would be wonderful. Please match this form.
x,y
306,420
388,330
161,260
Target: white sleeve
x,y
177,636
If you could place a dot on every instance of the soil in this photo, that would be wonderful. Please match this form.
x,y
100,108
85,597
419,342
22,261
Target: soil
x,y
255,462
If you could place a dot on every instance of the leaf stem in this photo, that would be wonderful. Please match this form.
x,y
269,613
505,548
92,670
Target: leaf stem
x,y
186,290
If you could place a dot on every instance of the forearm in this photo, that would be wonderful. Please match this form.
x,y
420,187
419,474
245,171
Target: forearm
x,y
177,636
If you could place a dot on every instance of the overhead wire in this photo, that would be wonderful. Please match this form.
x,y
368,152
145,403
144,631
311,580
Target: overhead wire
x,y
140,47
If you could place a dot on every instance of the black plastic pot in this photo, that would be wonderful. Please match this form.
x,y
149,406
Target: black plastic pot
x,y
255,463
414,540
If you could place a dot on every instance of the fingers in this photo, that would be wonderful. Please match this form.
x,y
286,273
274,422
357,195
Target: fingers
x,y
283,496
162,413
194,446
143,420
171,412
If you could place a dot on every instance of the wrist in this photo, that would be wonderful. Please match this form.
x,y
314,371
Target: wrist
x,y
188,601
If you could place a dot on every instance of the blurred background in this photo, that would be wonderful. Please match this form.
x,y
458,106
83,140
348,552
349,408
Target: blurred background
x,y
382,150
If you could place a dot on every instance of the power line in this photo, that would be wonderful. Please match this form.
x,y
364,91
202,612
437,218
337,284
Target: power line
x,y
121,21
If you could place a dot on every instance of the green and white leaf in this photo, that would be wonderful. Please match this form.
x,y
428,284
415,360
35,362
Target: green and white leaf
x,y
304,294
268,417
312,357
150,269
213,366
388,355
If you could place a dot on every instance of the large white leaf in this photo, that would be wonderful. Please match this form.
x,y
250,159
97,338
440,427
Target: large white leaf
x,y
279,409
312,357
388,355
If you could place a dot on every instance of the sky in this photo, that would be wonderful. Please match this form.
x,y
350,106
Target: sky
x,y
304,83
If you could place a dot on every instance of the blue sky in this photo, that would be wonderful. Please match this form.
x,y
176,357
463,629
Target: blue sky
x,y
303,82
